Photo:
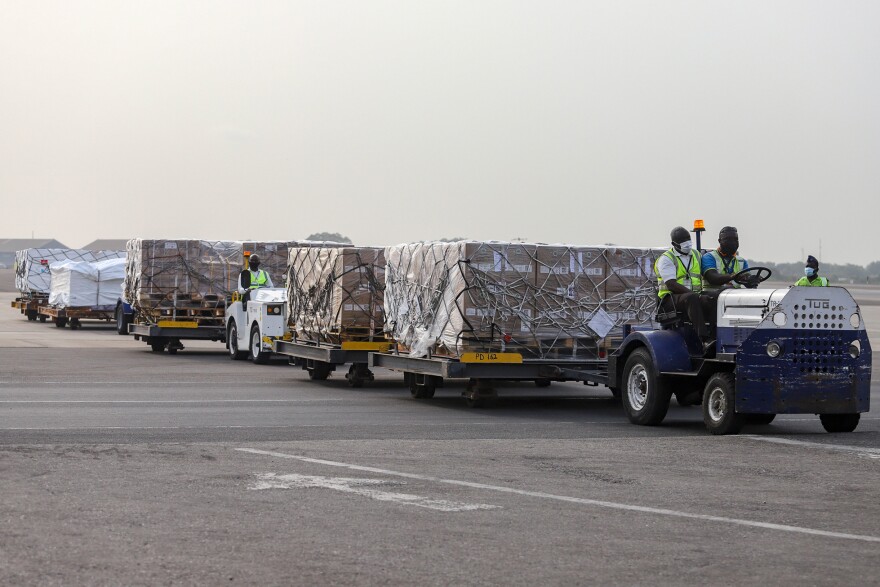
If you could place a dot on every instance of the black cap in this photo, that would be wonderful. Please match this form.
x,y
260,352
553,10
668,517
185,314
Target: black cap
x,y
812,261
680,234
728,230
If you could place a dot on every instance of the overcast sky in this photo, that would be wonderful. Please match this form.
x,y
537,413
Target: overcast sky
x,y
392,121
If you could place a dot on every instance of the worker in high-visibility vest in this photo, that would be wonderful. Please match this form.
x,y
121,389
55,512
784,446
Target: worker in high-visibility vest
x,y
811,274
679,276
721,265
258,278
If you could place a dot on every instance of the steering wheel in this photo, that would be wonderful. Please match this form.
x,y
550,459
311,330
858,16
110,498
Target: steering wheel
x,y
753,275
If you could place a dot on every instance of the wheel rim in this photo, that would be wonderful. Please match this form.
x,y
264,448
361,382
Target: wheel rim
x,y
717,404
637,387
255,344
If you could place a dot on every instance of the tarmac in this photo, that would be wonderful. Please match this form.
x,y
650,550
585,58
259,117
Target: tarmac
x,y
123,466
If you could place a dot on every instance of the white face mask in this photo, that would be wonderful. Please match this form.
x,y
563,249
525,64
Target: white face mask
x,y
686,247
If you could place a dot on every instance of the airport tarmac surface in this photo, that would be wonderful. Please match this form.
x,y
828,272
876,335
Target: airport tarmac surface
x,y
123,466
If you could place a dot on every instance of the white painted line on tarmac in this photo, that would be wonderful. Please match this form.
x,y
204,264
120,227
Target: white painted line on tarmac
x,y
843,447
362,487
569,499
420,424
170,401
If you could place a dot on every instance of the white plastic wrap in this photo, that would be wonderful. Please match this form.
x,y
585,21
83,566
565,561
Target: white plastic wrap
x,y
80,284
32,275
545,301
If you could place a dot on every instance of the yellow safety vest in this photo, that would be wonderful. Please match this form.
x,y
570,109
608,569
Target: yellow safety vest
x,y
725,268
258,279
692,271
818,282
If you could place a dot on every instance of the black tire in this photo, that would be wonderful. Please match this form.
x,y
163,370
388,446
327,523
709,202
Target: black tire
x,y
719,405
320,371
158,345
425,390
121,321
31,315
235,353
75,323
645,397
542,382
258,355
758,419
839,422
60,322
42,317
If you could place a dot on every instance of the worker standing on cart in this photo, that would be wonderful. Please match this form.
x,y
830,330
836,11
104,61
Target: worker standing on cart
x,y
721,265
680,279
811,274
252,278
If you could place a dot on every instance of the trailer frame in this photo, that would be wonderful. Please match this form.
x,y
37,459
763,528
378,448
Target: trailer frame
x,y
163,334
72,316
320,359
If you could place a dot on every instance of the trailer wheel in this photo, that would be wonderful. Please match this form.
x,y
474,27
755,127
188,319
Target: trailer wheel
x,y
158,345
358,374
42,317
719,405
758,419
320,371
839,422
60,322
121,322
542,382
645,396
31,314
235,353
258,355
423,389
75,323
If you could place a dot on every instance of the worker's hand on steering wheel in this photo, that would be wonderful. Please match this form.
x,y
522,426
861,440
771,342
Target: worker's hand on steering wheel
x,y
752,277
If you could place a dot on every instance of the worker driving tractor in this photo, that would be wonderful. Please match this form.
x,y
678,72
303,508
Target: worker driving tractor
x,y
252,278
721,266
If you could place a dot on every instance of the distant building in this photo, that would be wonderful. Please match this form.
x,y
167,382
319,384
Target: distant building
x,y
107,244
9,246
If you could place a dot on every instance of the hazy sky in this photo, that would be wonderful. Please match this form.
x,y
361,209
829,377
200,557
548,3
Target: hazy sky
x,y
391,121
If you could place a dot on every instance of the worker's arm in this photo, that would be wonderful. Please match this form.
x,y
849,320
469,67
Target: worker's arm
x,y
675,287
269,281
244,281
715,278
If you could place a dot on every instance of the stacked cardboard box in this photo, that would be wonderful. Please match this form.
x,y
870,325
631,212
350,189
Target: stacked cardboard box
x,y
192,278
32,266
336,294
546,301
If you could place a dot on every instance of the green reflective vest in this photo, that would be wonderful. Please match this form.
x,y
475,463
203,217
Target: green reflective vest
x,y
258,279
725,268
683,272
817,282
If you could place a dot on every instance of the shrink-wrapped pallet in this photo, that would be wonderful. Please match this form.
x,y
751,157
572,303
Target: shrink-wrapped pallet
x,y
545,301
80,284
193,279
32,266
336,294
449,298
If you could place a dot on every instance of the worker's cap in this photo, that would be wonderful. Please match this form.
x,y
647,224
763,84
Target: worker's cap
x,y
680,234
728,231
812,261
254,258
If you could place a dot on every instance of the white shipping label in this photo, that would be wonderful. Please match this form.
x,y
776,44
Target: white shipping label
x,y
520,268
596,271
271,248
499,261
487,267
555,270
170,245
477,312
601,323
627,271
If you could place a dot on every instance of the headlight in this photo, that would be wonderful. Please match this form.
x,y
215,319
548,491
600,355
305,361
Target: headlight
x,y
855,320
855,349
774,349
779,318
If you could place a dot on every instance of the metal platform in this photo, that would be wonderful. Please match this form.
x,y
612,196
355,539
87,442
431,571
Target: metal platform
x,y
170,330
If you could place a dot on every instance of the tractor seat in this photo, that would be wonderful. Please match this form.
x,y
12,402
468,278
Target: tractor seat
x,y
667,316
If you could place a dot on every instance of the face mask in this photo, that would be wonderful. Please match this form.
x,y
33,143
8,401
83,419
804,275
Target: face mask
x,y
686,247
255,266
729,250
809,271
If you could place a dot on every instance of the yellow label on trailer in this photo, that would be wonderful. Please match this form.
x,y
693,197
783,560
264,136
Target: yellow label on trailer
x,y
353,345
177,324
491,358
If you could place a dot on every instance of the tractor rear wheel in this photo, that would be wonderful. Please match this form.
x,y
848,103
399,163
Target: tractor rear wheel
x,y
839,422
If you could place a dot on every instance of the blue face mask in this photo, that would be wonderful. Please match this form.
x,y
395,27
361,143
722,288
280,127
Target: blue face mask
x,y
809,271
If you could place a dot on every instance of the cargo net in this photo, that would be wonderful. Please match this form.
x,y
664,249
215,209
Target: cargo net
x,y
336,294
32,267
544,301
192,280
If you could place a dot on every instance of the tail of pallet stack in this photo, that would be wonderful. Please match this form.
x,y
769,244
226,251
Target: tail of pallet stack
x,y
335,294
543,301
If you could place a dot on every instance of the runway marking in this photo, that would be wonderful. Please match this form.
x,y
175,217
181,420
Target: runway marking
x,y
420,424
362,487
843,447
569,499
170,401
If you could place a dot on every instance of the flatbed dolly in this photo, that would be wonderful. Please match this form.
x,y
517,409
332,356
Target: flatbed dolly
x,y
424,375
321,359
30,307
72,316
160,335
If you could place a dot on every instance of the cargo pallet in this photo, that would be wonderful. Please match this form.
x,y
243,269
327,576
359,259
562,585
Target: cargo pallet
x,y
30,306
167,334
320,359
72,316
425,375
